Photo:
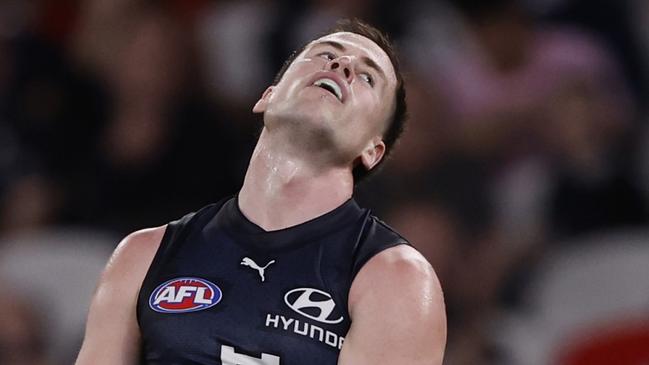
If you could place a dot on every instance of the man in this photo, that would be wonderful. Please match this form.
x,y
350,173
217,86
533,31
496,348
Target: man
x,y
291,270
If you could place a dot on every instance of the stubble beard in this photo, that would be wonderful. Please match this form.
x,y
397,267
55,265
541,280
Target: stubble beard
x,y
308,131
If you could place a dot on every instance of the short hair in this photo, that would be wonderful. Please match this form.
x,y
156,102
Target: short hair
x,y
396,122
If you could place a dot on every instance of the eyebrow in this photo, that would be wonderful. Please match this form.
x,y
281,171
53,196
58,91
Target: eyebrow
x,y
368,61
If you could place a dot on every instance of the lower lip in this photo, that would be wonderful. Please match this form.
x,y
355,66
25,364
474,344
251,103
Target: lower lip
x,y
327,92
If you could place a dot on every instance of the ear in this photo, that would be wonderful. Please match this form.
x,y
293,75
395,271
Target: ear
x,y
373,153
262,103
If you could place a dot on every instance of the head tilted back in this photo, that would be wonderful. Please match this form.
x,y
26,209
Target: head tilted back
x,y
396,121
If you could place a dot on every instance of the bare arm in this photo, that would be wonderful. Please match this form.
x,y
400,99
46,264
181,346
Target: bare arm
x,y
112,334
397,311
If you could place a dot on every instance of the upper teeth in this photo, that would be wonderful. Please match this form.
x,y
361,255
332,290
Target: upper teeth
x,y
332,84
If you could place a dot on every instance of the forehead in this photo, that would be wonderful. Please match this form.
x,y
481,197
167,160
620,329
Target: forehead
x,y
356,44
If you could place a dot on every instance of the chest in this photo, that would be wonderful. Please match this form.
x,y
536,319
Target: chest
x,y
216,300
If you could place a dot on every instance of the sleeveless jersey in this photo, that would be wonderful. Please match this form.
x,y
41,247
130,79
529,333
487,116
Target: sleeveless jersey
x,y
221,290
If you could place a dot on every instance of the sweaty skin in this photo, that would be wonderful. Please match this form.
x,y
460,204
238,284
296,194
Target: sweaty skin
x,y
302,168
112,333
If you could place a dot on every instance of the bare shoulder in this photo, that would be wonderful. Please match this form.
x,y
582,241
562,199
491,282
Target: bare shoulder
x,y
112,334
131,259
402,268
138,245
397,309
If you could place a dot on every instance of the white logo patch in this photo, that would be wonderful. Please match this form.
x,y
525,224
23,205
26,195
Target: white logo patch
x,y
248,262
302,300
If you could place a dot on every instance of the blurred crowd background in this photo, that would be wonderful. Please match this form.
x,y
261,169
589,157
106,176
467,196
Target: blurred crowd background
x,y
523,175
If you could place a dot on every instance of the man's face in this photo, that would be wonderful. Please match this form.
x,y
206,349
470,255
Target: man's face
x,y
340,90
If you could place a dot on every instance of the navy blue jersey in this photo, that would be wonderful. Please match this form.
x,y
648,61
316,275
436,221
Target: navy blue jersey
x,y
221,290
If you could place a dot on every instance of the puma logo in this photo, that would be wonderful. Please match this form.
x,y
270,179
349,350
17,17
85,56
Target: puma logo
x,y
248,262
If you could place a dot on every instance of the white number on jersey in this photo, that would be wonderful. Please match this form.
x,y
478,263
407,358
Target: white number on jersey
x,y
229,357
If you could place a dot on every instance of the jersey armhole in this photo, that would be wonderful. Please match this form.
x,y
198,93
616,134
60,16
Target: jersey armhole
x,y
388,238
175,232
358,265
172,233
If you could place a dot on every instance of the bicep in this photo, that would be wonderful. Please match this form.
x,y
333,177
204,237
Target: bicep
x,y
398,314
112,333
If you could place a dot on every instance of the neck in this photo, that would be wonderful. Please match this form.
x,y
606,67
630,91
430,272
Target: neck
x,y
284,186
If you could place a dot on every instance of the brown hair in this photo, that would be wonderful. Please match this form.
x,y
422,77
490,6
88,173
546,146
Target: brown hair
x,y
398,118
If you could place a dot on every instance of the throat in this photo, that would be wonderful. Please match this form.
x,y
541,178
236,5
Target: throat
x,y
274,203
277,203
283,188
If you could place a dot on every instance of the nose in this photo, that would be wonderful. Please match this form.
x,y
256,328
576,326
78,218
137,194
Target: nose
x,y
343,64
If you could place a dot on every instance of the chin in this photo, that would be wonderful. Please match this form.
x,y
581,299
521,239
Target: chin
x,y
314,129
306,114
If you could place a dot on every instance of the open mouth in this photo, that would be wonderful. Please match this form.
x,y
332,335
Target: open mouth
x,y
329,85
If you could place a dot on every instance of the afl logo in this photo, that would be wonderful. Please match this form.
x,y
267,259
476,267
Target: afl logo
x,y
312,303
182,295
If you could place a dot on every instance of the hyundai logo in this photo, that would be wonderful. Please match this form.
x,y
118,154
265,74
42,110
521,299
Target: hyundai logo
x,y
312,303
